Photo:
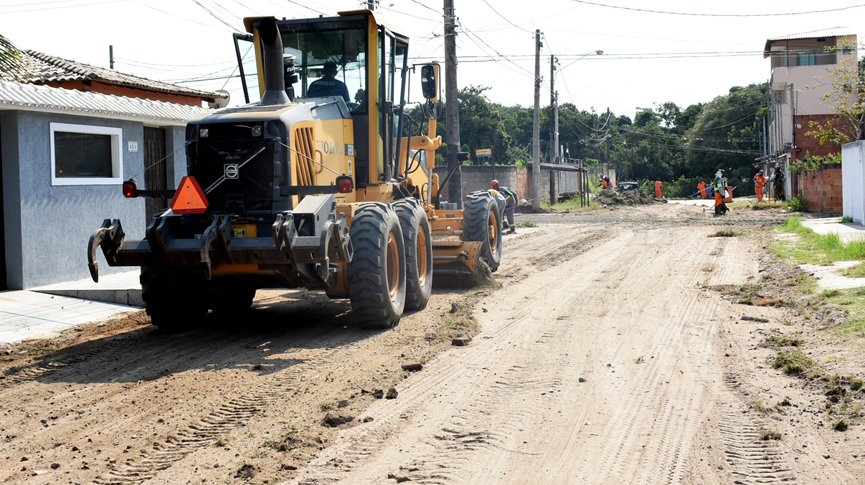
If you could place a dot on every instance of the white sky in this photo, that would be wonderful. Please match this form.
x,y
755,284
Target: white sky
x,y
178,40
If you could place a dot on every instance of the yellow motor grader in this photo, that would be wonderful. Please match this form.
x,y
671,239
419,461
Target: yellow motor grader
x,y
323,183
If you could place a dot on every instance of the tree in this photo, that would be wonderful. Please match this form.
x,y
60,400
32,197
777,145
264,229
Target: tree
x,y
10,59
845,97
725,134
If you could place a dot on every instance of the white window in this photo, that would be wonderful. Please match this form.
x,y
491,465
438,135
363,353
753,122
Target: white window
x,y
85,155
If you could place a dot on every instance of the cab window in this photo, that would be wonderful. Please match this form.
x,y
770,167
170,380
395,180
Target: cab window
x,y
330,60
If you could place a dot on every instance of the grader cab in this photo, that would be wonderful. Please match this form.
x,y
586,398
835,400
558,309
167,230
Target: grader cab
x,y
321,181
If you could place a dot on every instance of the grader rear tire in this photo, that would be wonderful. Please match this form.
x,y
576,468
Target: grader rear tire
x,y
171,305
377,271
417,239
482,222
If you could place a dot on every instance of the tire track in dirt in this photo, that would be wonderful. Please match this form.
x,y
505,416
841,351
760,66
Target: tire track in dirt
x,y
449,442
230,415
750,459
487,420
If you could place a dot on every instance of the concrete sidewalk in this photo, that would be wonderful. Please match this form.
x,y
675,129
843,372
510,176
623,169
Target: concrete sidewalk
x,y
847,231
45,311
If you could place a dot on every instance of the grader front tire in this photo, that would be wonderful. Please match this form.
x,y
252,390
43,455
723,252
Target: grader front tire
x,y
417,239
377,271
482,222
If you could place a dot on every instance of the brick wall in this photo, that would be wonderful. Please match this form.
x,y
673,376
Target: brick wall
x,y
822,188
478,177
809,144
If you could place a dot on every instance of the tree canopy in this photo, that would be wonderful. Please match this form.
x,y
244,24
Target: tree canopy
x,y
664,142
10,59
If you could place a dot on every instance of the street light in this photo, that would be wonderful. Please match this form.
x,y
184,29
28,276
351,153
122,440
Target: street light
x,y
597,52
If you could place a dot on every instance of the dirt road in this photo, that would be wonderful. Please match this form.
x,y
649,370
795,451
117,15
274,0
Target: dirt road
x,y
604,358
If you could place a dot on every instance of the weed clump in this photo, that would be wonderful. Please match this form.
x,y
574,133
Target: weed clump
x,y
769,434
840,425
777,341
725,233
793,362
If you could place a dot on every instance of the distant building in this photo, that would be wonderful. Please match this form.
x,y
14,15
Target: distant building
x,y
798,63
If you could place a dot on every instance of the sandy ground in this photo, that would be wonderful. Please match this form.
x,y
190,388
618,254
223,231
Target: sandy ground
x,y
609,354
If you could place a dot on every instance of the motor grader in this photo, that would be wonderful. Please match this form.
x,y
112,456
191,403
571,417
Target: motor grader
x,y
307,187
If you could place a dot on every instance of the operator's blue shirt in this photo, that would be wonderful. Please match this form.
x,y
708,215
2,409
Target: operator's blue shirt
x,y
328,86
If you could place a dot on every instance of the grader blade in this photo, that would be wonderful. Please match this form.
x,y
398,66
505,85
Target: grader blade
x,y
457,264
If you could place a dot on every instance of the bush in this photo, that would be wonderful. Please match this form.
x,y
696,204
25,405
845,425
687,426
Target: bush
x,y
797,203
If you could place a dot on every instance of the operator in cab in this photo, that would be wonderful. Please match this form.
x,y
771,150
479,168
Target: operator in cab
x,y
328,85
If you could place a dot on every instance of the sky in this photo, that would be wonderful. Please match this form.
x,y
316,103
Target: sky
x,y
654,51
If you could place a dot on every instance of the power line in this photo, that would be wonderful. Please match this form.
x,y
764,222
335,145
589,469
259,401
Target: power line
x,y
137,2
690,14
427,7
215,16
65,6
503,17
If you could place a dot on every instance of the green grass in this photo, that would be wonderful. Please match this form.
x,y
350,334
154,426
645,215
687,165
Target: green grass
x,y
803,283
813,248
857,271
846,219
754,205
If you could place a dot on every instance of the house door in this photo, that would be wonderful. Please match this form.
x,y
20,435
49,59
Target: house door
x,y
155,169
2,226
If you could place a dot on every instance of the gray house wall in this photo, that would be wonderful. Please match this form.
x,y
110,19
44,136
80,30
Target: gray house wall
x,y
47,227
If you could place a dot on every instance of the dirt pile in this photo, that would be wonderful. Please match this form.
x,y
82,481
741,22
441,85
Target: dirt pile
x,y
625,198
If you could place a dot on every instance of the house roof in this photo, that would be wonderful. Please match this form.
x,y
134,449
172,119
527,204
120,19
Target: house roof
x,y
813,34
14,95
43,68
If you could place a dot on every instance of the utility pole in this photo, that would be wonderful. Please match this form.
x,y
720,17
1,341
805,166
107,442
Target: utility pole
x,y
536,129
452,113
609,140
598,146
111,56
554,138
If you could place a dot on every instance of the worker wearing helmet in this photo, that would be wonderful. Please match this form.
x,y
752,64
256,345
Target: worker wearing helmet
x,y
510,196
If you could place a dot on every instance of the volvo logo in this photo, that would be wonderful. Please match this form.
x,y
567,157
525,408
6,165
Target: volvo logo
x,y
231,171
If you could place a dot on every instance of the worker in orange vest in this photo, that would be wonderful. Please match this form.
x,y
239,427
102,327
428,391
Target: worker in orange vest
x,y
702,188
720,188
759,182
658,189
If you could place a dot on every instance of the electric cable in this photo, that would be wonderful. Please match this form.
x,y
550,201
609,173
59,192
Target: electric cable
x,y
690,14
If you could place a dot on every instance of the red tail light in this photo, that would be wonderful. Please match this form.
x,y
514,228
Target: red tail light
x,y
130,189
344,184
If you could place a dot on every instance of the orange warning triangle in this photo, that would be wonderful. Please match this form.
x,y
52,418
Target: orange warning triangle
x,y
189,198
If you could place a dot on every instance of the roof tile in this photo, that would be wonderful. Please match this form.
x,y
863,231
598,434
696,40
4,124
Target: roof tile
x,y
43,68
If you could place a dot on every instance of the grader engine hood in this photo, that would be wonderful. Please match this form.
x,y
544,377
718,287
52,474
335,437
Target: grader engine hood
x,y
255,159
